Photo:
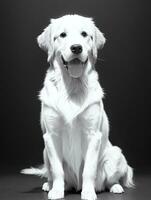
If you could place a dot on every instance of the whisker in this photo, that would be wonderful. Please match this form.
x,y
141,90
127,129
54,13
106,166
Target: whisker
x,y
101,59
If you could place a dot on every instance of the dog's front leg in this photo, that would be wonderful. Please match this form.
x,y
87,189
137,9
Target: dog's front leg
x,y
91,149
53,145
90,166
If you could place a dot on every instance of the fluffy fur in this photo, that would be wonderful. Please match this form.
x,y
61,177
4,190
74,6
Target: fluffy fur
x,y
75,127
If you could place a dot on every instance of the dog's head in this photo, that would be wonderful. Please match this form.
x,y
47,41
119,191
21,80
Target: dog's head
x,y
73,41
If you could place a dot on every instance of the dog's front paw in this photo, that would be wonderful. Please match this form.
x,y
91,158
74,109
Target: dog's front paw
x,y
88,194
55,194
116,188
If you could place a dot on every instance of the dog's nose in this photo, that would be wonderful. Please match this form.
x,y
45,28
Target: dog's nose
x,y
76,48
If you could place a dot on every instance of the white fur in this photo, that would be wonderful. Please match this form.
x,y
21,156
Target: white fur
x,y
75,127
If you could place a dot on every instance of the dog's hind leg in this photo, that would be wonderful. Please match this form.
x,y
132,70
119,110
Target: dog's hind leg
x,y
115,168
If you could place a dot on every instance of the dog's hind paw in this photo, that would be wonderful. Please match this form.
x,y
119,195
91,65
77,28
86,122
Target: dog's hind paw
x,y
116,188
45,187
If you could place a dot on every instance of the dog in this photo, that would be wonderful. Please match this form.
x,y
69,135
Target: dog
x,y
77,153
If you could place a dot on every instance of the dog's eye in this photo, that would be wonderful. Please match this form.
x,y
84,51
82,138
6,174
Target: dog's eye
x,y
63,35
84,34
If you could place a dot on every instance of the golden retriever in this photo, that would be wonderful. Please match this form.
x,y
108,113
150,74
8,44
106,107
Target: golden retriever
x,y
77,153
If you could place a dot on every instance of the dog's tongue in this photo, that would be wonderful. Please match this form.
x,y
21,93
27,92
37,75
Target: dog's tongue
x,y
75,68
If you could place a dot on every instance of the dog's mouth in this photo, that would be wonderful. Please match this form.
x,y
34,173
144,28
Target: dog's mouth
x,y
75,66
75,61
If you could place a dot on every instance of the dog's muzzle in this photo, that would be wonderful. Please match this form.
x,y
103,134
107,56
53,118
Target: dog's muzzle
x,y
75,66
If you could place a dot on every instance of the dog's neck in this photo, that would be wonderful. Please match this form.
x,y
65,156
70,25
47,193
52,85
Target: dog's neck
x,y
75,89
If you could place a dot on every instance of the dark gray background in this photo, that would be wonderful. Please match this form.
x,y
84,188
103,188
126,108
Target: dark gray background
x,y
124,69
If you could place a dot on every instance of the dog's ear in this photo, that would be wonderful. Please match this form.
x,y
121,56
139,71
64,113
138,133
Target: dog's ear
x,y
99,41
45,41
99,38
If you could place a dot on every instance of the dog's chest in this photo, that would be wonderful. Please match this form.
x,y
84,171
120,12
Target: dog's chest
x,y
72,146
69,110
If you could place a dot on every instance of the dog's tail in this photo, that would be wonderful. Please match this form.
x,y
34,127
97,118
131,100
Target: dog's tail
x,y
40,171
128,178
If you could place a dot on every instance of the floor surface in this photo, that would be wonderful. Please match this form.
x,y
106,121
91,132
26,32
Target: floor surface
x,y
14,186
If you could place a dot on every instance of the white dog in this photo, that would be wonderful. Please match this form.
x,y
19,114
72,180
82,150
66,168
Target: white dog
x,y
75,127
